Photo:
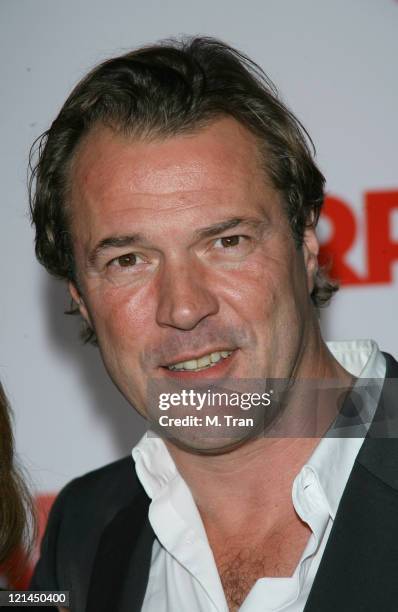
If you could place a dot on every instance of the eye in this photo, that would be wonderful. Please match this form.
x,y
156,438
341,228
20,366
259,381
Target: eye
x,y
230,241
125,261
128,268
233,248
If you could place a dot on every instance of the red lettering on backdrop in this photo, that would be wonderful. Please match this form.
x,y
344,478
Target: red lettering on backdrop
x,y
343,236
381,251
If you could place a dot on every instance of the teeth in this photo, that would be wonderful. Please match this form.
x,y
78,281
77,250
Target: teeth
x,y
190,365
206,361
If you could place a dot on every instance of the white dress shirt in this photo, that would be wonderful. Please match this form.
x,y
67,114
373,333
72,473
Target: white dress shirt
x,y
183,574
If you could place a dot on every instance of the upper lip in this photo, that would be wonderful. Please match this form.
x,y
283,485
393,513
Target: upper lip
x,y
190,357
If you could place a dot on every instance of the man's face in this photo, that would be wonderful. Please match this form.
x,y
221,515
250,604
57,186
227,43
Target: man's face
x,y
185,259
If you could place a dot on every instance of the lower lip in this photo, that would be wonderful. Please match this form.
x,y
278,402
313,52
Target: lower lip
x,y
217,370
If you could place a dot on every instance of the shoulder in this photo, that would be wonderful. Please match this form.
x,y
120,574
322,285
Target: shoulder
x,y
77,520
87,504
379,452
116,483
391,365
97,495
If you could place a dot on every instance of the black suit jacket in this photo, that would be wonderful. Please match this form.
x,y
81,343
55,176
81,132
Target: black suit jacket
x,y
98,541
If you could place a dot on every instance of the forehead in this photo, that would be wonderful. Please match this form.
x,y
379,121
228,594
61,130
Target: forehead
x,y
217,167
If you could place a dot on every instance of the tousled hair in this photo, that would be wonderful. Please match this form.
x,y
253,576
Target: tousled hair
x,y
171,88
17,517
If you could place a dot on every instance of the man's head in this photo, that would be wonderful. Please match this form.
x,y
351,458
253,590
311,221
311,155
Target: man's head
x,y
173,88
178,197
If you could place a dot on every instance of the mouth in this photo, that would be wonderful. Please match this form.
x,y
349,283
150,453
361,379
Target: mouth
x,y
205,362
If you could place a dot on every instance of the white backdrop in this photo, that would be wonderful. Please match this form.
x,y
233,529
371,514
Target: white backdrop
x,y
335,63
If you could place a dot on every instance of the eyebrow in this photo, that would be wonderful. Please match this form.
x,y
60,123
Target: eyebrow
x,y
206,232
218,228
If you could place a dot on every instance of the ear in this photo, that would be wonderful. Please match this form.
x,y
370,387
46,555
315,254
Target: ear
x,y
77,298
310,252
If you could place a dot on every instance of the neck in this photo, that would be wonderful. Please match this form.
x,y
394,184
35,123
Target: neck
x,y
227,488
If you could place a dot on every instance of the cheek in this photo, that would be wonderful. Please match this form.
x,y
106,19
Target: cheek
x,y
255,288
270,294
121,316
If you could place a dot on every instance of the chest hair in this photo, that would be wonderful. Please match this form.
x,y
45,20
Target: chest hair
x,y
240,564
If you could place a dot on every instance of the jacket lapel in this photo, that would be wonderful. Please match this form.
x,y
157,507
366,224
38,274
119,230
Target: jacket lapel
x,y
121,566
359,567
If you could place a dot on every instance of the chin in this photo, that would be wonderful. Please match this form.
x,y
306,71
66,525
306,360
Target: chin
x,y
197,438
209,447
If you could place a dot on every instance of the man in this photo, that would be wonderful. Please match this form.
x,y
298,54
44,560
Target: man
x,y
178,197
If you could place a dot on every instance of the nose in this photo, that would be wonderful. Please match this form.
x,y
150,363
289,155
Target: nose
x,y
185,297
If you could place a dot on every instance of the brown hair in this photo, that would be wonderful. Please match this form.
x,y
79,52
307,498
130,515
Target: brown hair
x,y
17,524
170,88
